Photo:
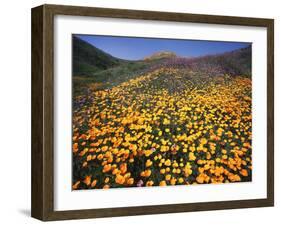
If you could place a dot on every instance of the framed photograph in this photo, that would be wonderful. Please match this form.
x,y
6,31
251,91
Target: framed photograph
x,y
141,112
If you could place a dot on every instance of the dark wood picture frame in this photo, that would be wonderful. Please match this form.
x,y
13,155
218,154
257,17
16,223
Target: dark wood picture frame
x,y
42,203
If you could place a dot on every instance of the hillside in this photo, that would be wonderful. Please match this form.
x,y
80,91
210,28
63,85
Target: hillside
x,y
165,126
88,59
166,120
237,62
92,65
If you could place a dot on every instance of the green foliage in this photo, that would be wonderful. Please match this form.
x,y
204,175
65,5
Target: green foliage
x,y
88,59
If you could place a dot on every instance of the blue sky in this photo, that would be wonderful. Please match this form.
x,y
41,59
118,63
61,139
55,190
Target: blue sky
x,y
137,48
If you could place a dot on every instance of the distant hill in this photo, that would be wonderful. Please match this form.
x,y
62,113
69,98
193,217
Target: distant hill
x,y
161,55
88,59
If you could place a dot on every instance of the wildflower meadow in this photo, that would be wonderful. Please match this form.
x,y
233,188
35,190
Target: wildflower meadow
x,y
175,122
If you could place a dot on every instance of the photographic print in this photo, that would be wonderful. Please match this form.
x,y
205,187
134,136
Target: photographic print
x,y
160,112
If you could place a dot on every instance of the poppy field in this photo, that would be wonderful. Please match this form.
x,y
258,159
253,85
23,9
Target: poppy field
x,y
176,122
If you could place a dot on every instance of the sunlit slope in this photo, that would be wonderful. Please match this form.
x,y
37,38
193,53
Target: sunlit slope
x,y
166,126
